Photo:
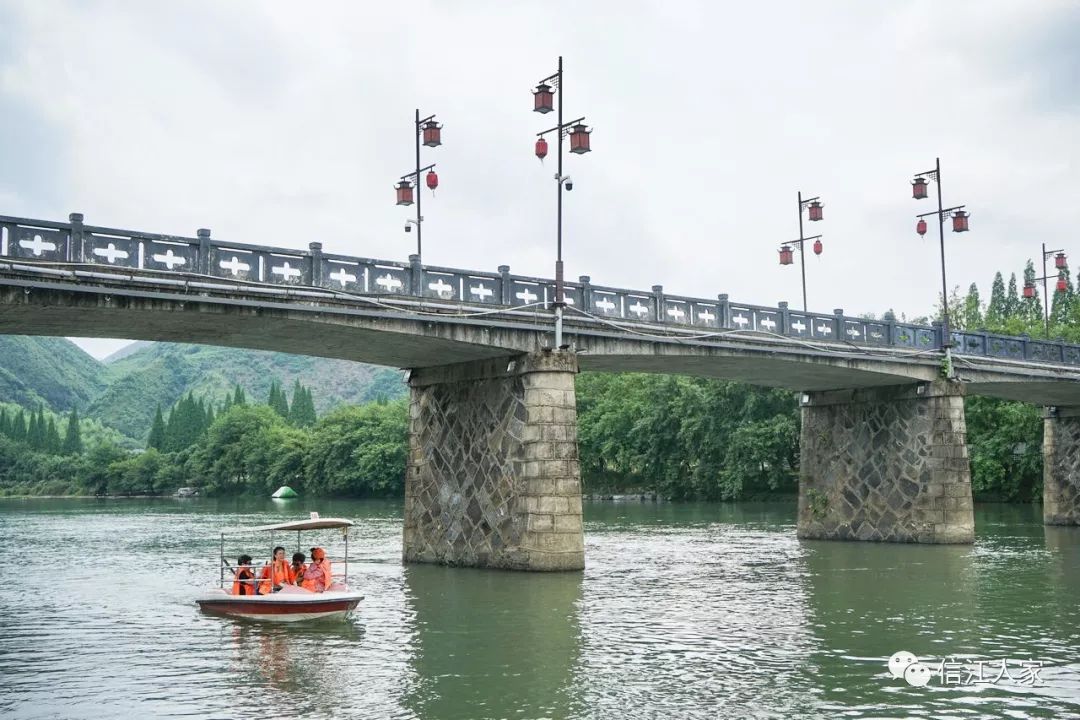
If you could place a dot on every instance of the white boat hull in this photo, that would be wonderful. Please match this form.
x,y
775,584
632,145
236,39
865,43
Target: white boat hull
x,y
286,606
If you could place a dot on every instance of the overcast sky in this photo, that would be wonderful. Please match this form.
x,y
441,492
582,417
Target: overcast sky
x,y
282,123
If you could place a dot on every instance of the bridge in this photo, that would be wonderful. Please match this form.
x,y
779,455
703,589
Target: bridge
x,y
493,477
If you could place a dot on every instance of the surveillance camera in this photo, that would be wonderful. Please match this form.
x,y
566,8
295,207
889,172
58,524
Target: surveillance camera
x,y
569,184
408,227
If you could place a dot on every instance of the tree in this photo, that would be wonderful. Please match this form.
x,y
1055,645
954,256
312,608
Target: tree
x,y
52,438
359,451
73,444
277,401
996,310
238,396
35,433
1061,309
156,439
970,313
302,412
1012,300
1031,311
18,427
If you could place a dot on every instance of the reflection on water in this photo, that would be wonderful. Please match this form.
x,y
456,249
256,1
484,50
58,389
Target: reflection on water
x,y
683,611
491,644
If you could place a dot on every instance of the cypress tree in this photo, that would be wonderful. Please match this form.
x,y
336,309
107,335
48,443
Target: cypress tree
x,y
1031,308
35,433
18,428
996,310
971,312
238,396
209,415
5,423
302,412
278,402
1012,300
52,438
73,437
156,439
1062,306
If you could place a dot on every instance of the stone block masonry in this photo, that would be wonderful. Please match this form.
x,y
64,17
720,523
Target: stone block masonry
x,y
886,464
493,478
1061,466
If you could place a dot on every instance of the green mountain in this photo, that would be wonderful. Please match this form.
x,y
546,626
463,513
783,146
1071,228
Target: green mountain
x,y
162,372
50,371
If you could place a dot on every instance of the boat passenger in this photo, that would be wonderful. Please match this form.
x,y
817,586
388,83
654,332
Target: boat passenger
x,y
244,581
298,567
317,577
276,574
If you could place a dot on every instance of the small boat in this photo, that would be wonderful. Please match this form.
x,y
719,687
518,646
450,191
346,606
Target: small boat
x,y
285,493
291,603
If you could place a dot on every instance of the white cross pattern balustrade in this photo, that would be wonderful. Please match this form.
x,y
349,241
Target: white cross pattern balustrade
x,y
527,296
605,305
824,330
234,266
169,260
286,271
442,288
111,253
676,313
741,320
639,309
37,245
705,316
768,323
798,326
481,291
389,283
343,277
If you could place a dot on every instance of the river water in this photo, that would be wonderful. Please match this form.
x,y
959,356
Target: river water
x,y
696,610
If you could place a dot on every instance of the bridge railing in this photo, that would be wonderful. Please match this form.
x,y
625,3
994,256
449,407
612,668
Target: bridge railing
x,y
43,241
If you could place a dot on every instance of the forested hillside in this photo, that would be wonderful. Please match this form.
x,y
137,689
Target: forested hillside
x,y
49,370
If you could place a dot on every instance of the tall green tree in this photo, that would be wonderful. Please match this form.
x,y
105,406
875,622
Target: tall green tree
x,y
277,400
302,412
239,398
1061,309
1012,300
18,427
73,444
970,314
52,438
157,437
5,423
1031,310
997,309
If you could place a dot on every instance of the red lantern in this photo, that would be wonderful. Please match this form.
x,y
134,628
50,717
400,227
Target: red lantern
x,y
817,247
404,192
1061,284
543,99
579,139
960,221
1029,290
785,255
815,210
541,148
432,134
1060,262
920,227
432,180
918,188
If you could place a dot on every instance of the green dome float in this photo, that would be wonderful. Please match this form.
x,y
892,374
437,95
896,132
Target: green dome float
x,y
284,493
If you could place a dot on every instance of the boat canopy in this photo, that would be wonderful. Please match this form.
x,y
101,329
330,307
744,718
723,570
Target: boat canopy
x,y
312,524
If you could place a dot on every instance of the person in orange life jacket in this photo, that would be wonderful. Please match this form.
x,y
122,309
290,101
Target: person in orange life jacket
x,y
317,577
298,567
244,581
276,574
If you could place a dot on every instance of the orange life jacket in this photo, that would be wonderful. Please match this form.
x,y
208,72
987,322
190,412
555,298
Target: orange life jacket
x,y
243,588
317,576
274,575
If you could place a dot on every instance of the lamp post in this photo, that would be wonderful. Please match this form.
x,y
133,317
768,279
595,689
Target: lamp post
x,y
960,224
814,206
1061,264
544,101
430,131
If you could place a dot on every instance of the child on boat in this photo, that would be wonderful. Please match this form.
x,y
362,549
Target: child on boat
x,y
244,580
298,567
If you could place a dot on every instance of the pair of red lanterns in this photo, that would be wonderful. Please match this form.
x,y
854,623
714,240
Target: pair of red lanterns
x,y
919,191
815,212
431,133
959,223
1060,263
543,103
787,254
405,188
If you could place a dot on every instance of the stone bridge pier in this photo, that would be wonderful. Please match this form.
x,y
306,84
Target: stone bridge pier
x,y
888,464
493,478
1061,466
